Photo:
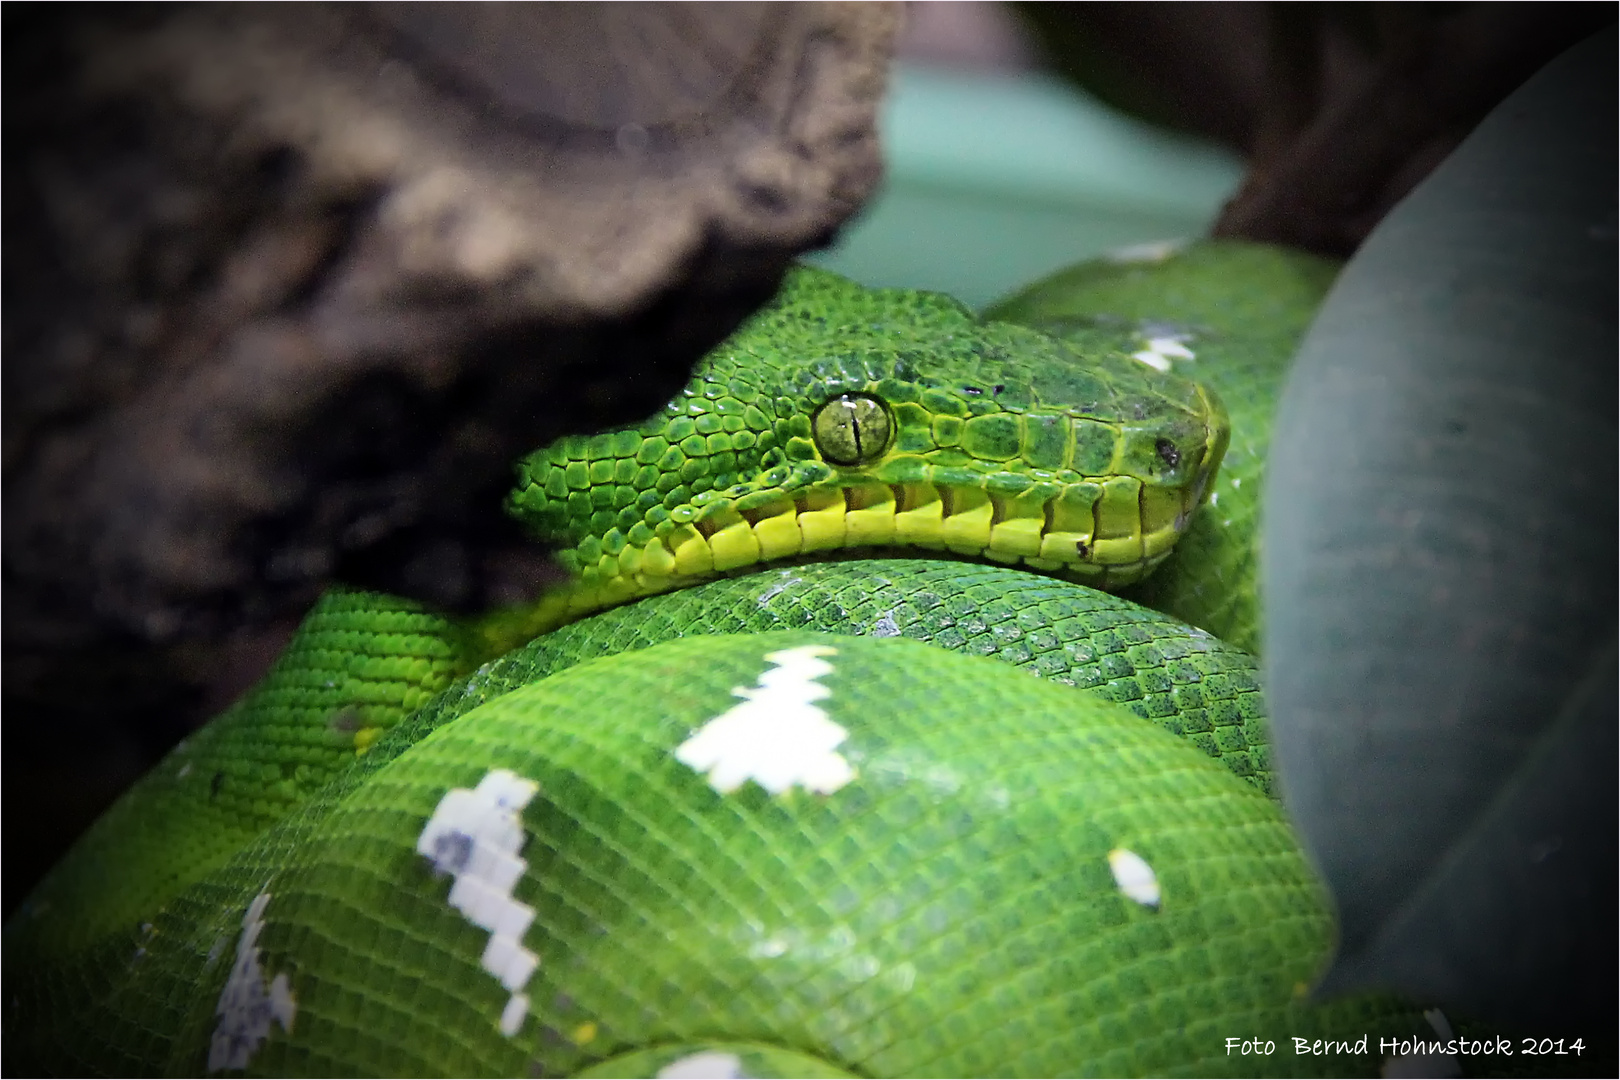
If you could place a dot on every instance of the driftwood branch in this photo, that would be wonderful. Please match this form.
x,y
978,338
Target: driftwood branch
x,y
288,283
289,287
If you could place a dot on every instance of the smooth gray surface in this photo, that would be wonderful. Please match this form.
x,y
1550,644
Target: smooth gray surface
x,y
1440,586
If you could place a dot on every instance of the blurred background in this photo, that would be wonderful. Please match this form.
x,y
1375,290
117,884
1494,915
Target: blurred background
x,y
1000,169
1021,137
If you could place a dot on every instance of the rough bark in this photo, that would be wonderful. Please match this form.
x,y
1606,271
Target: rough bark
x,y
289,287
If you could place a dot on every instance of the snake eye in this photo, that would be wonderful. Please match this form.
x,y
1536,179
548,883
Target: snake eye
x,y
852,429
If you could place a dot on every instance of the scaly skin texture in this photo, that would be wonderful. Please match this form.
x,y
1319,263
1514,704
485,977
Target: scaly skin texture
x,y
1087,464
359,662
1240,309
985,440
950,911
946,900
1181,678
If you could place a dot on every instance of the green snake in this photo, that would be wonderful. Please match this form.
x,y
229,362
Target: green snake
x,y
760,790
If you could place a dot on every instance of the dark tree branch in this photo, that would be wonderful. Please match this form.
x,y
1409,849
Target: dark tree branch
x,y
1384,112
1341,108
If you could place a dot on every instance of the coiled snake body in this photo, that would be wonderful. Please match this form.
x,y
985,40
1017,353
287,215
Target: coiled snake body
x,y
734,801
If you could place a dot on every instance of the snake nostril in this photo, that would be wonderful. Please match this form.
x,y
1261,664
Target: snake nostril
x,y
1167,452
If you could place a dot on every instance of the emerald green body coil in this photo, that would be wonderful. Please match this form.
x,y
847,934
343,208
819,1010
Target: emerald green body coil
x,y
767,819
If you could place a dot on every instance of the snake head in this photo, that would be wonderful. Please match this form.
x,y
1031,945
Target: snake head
x,y
843,417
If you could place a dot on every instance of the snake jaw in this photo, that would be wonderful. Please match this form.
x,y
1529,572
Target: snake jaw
x,y
1107,533
890,420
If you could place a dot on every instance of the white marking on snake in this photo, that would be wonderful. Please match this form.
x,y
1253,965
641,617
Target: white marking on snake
x,y
1163,350
517,1007
1153,251
1427,1058
475,835
781,586
886,626
705,1063
777,737
1134,877
1173,346
1438,1021
247,1005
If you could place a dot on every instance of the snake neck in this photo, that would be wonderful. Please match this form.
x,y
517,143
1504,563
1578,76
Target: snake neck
x,y
846,418
960,520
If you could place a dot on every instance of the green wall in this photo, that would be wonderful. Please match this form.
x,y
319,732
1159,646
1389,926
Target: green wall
x,y
994,181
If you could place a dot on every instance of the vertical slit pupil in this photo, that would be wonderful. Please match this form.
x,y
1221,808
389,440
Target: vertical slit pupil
x,y
851,429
